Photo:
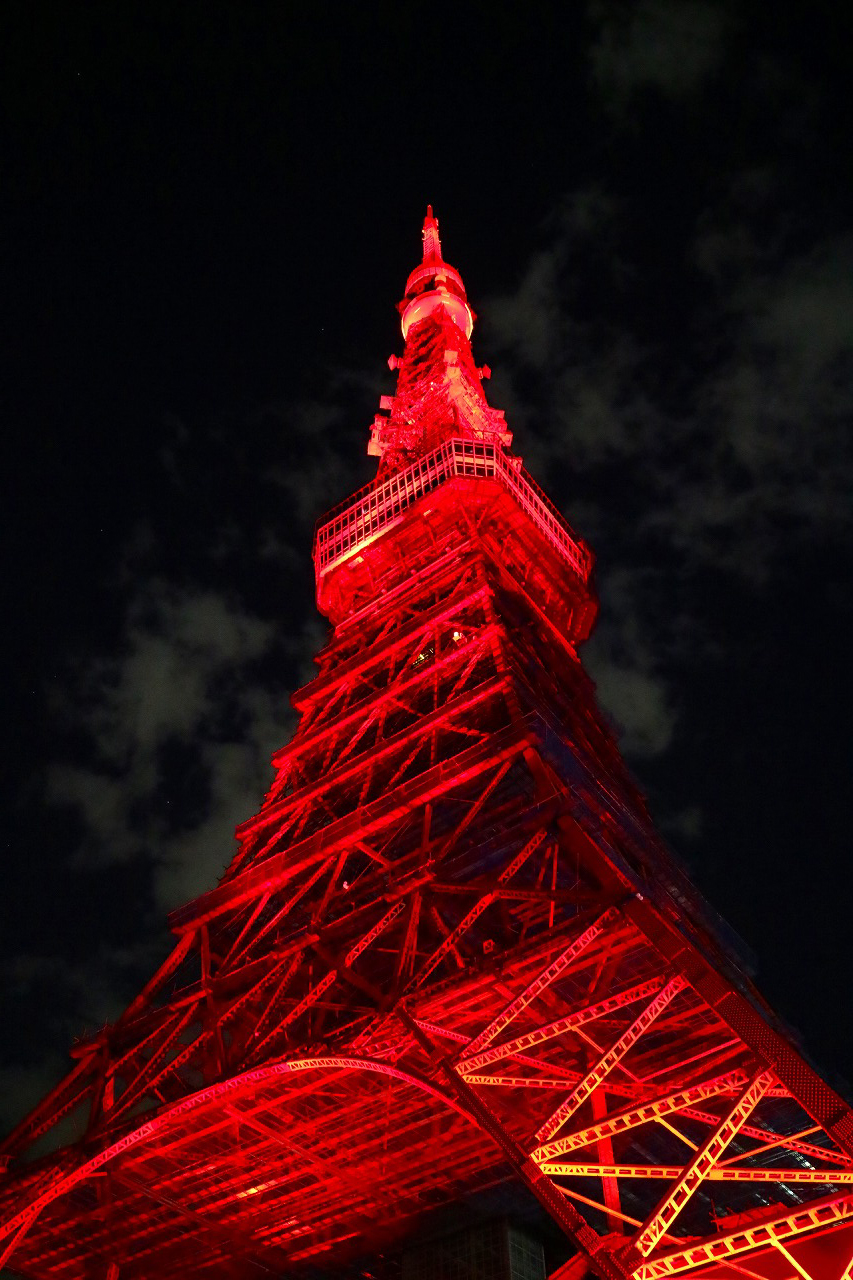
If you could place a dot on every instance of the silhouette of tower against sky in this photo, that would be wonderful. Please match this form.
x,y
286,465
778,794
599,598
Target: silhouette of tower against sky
x,y
451,964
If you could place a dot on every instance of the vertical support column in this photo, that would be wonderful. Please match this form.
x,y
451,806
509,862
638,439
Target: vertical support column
x,y
604,1148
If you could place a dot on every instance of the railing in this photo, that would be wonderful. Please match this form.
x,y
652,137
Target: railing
x,y
379,506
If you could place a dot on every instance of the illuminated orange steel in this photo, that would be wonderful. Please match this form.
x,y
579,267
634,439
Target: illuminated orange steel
x,y
674,1172
571,1022
813,1215
701,1166
603,1068
767,1140
630,1119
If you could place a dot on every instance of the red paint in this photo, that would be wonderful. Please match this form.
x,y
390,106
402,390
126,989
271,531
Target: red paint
x,y
449,935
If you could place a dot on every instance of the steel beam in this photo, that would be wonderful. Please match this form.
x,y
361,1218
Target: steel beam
x,y
647,1112
662,1218
806,1218
614,1055
542,980
571,1022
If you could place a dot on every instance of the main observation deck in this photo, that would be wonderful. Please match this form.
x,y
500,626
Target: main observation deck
x,y
377,507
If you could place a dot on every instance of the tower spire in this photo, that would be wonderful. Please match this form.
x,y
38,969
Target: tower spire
x,y
439,392
432,242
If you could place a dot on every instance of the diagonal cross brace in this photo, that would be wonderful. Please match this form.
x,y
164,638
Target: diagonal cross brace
x,y
476,911
814,1215
631,1118
662,1218
571,1021
541,982
603,1068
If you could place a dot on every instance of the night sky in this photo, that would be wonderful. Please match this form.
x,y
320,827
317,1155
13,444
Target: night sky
x,y
208,214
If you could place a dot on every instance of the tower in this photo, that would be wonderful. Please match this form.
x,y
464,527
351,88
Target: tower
x,y
450,953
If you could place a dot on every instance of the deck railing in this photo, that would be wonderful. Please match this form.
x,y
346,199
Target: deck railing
x,y
377,507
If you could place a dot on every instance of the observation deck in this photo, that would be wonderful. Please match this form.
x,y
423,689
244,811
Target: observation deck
x,y
377,507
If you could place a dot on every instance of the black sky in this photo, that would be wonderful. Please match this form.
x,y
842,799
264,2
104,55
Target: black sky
x,y
208,214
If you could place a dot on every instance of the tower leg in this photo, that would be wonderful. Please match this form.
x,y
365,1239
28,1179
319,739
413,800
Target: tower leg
x,y
606,1267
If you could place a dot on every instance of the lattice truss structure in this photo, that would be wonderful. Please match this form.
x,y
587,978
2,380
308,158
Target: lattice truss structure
x,y
450,952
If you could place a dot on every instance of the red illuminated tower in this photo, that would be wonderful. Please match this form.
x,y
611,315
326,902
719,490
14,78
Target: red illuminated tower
x,y
451,952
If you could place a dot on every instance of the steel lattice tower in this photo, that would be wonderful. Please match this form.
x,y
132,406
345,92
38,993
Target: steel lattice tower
x,y
450,952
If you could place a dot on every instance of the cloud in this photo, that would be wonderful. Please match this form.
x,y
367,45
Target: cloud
x,y
778,408
176,736
165,736
808,312
23,1086
672,48
163,732
723,449
529,321
325,451
638,701
54,999
628,668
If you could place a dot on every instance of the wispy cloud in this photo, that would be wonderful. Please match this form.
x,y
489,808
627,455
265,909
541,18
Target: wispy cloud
x,y
658,45
53,999
739,455
172,733
168,733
